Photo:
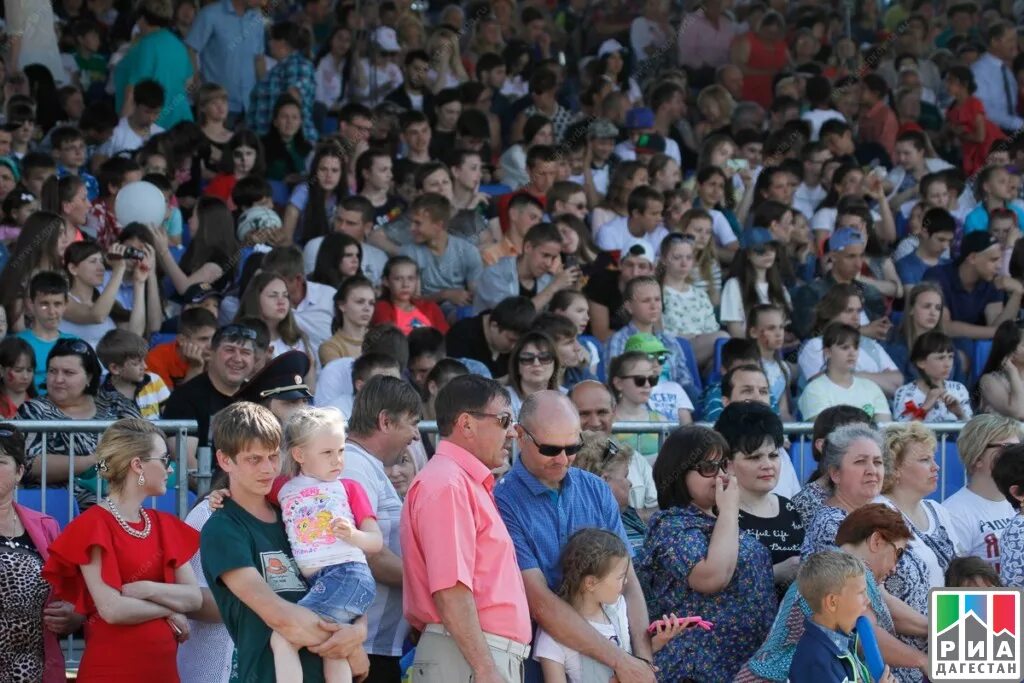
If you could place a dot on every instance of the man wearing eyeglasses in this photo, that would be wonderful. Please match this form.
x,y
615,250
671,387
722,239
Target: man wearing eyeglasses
x,y
232,357
462,588
543,501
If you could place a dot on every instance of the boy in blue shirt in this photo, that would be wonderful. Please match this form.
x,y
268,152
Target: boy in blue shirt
x,y
47,300
834,586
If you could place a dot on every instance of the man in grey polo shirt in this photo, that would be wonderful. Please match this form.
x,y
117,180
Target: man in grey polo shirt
x,y
385,420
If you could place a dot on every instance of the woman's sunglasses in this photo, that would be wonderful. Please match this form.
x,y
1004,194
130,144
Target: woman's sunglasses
x,y
643,380
536,358
551,450
708,468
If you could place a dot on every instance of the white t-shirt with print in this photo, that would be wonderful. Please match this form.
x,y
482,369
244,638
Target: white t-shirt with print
x,y
871,357
667,397
546,647
978,523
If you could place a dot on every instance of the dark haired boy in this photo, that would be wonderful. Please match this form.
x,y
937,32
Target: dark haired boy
x,y
44,308
490,336
938,228
139,126
36,167
93,67
70,151
123,353
180,360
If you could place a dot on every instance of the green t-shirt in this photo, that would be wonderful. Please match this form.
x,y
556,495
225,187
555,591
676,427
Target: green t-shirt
x,y
233,539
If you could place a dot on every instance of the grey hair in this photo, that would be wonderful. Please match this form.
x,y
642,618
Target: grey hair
x,y
839,441
825,573
746,108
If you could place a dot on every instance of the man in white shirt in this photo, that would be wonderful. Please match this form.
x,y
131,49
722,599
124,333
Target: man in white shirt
x,y
809,193
312,302
645,206
997,86
354,217
139,126
650,33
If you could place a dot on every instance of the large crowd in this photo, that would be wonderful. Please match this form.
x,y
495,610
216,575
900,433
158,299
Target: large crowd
x,y
309,226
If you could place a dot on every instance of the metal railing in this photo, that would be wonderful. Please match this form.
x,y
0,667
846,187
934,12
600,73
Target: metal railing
x,y
179,429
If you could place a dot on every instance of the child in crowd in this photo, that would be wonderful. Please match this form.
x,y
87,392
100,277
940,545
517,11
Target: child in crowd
x,y
932,397
971,572
835,588
688,311
331,527
573,305
938,228
766,324
69,149
631,378
18,365
967,121
173,223
993,190
123,354
1008,474
1002,223
353,310
756,279
46,303
572,357
178,361
115,173
18,205
243,157
93,65
400,302
707,276
594,565
838,385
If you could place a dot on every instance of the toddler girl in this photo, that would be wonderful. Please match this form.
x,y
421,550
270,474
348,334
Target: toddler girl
x,y
932,397
331,527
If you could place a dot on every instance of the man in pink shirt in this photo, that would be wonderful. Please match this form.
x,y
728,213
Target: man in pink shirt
x,y
704,39
463,589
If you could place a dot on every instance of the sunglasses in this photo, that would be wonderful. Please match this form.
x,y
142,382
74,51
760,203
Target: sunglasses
x,y
659,358
234,331
551,450
611,449
76,346
503,419
708,468
643,380
536,359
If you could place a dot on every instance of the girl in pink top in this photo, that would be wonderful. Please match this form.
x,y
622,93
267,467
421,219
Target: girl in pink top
x,y
399,303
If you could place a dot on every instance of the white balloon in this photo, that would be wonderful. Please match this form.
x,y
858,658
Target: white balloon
x,y
140,202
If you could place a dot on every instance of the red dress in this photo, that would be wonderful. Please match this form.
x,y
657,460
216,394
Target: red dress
x,y
758,87
121,654
964,115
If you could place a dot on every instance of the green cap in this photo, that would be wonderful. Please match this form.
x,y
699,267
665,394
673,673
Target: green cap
x,y
646,343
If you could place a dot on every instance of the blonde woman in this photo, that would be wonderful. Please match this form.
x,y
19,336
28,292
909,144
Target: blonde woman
x,y
716,106
127,568
212,107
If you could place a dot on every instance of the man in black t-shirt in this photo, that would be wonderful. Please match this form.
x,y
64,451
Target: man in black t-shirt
x,y
232,355
490,336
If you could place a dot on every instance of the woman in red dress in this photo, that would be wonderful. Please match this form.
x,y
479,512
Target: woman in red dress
x,y
125,568
760,55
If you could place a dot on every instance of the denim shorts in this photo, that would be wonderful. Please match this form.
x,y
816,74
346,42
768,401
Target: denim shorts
x,y
341,592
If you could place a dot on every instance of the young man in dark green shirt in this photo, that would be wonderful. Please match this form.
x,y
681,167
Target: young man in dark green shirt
x,y
248,563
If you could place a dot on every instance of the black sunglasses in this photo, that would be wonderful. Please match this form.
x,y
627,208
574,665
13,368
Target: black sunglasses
x,y
643,380
661,358
708,468
533,358
551,450
76,346
235,331
611,449
503,419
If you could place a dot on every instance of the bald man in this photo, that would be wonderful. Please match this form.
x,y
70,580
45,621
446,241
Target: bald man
x,y
596,406
543,500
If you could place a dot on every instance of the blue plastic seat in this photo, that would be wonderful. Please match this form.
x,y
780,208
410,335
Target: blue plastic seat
x,y
602,373
952,477
716,368
56,498
279,192
801,452
691,362
169,502
982,349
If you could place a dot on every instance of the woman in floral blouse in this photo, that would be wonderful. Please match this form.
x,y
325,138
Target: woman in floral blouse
x,y
697,561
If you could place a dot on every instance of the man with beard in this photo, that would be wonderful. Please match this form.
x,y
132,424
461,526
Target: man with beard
x,y
232,355
413,94
544,501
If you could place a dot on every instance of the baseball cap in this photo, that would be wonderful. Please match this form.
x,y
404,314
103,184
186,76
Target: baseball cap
x,y
843,238
645,343
199,293
650,143
602,128
755,237
386,39
637,247
640,117
609,46
975,242
257,218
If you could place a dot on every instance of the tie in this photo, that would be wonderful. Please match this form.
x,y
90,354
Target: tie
x,y
1011,106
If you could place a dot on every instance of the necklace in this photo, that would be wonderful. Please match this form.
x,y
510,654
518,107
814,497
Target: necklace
x,y
124,525
9,540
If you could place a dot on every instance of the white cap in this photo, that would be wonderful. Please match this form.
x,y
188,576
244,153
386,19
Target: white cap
x,y
609,46
637,247
257,218
386,39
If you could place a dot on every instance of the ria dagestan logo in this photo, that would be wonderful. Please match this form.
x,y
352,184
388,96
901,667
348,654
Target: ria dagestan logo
x,y
975,634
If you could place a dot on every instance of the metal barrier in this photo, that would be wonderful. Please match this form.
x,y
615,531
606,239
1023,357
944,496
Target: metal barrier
x,y
951,475
176,428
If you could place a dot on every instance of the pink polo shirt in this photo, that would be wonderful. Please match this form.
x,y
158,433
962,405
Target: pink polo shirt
x,y
452,533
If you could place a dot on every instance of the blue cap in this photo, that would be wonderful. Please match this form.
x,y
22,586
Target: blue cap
x,y
843,238
641,117
753,238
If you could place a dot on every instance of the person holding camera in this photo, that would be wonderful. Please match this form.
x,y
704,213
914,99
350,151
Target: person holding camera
x,y
92,311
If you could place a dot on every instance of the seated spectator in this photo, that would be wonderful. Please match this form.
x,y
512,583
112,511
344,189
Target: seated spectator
x,y
266,298
994,190
400,303
114,174
46,302
977,298
967,120
838,384
843,304
604,289
642,222
284,144
18,366
490,336
352,217
933,396
1008,475
70,149
735,352
374,181
971,572
311,204
533,366
178,361
123,354
338,258
1004,227
938,228
766,326
312,302
292,73
1001,387
524,212
572,357
353,306
335,382
426,349
134,130
610,460
573,305
688,311
912,165
632,377
536,273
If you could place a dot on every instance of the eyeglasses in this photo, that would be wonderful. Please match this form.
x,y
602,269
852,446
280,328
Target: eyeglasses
x,y
998,444
503,419
551,450
899,551
643,380
235,331
164,460
708,468
536,358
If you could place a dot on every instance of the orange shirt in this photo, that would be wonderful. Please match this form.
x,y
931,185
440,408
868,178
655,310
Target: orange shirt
x,y
452,533
164,360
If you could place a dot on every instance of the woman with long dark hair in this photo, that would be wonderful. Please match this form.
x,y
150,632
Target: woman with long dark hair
x,y
340,257
333,74
756,279
242,157
210,256
1001,387
40,246
285,146
313,203
69,198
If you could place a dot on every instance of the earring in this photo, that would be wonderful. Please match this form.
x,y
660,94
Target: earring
x,y
142,480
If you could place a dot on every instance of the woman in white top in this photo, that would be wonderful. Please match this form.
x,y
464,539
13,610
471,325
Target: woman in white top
x,y
687,310
334,68
756,280
30,25
839,385
266,298
92,313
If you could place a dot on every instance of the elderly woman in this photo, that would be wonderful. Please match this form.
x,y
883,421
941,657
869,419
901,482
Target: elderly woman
x,y
814,494
73,386
31,618
878,536
610,460
126,568
913,474
697,560
979,511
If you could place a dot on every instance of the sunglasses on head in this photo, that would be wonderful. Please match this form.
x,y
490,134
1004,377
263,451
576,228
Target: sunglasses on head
x,y
536,358
660,358
611,449
708,468
235,331
551,450
76,346
643,380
